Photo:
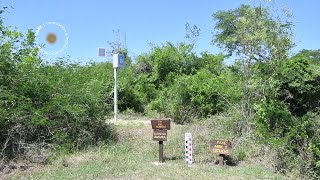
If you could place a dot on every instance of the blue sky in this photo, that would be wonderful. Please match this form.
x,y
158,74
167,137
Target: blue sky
x,y
90,24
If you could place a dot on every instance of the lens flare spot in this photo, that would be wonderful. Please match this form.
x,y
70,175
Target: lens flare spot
x,y
51,38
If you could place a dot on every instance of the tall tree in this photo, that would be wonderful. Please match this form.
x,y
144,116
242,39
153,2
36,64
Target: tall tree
x,y
253,33
255,36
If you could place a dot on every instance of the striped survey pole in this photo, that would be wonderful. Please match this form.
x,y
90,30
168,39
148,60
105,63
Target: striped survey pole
x,y
188,148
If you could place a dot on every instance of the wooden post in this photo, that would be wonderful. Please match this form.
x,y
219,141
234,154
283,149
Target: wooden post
x,y
161,151
221,159
160,127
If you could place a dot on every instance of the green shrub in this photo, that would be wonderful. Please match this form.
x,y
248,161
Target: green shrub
x,y
196,96
293,137
300,85
304,142
61,105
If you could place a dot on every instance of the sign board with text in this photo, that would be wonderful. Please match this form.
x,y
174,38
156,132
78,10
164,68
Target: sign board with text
x,y
220,146
160,135
161,124
160,127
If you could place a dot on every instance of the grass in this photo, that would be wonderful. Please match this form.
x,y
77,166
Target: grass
x,y
135,156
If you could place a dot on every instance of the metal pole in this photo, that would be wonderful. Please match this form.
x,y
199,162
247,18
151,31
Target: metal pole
x,y
115,98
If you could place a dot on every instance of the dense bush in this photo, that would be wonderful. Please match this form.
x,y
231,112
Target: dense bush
x,y
180,84
289,120
300,85
57,104
304,142
196,96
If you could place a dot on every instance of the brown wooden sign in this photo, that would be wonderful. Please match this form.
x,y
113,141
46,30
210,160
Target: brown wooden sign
x,y
160,127
160,135
161,124
220,146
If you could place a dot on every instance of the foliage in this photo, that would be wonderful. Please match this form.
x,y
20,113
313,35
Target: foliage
x,y
255,36
288,121
196,96
169,60
55,104
274,120
279,91
192,33
300,85
312,55
253,33
304,141
134,93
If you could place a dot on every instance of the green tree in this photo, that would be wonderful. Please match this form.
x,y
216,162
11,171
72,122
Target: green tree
x,y
300,85
256,37
253,33
312,55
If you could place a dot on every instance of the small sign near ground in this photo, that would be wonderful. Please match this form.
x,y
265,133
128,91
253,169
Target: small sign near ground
x,y
220,146
160,135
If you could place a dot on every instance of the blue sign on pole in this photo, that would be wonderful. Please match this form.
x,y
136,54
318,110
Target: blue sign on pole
x,y
121,59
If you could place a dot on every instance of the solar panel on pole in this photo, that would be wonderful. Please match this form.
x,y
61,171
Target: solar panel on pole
x,y
101,52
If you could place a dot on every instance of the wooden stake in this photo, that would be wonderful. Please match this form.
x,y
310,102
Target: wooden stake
x,y
161,151
221,159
